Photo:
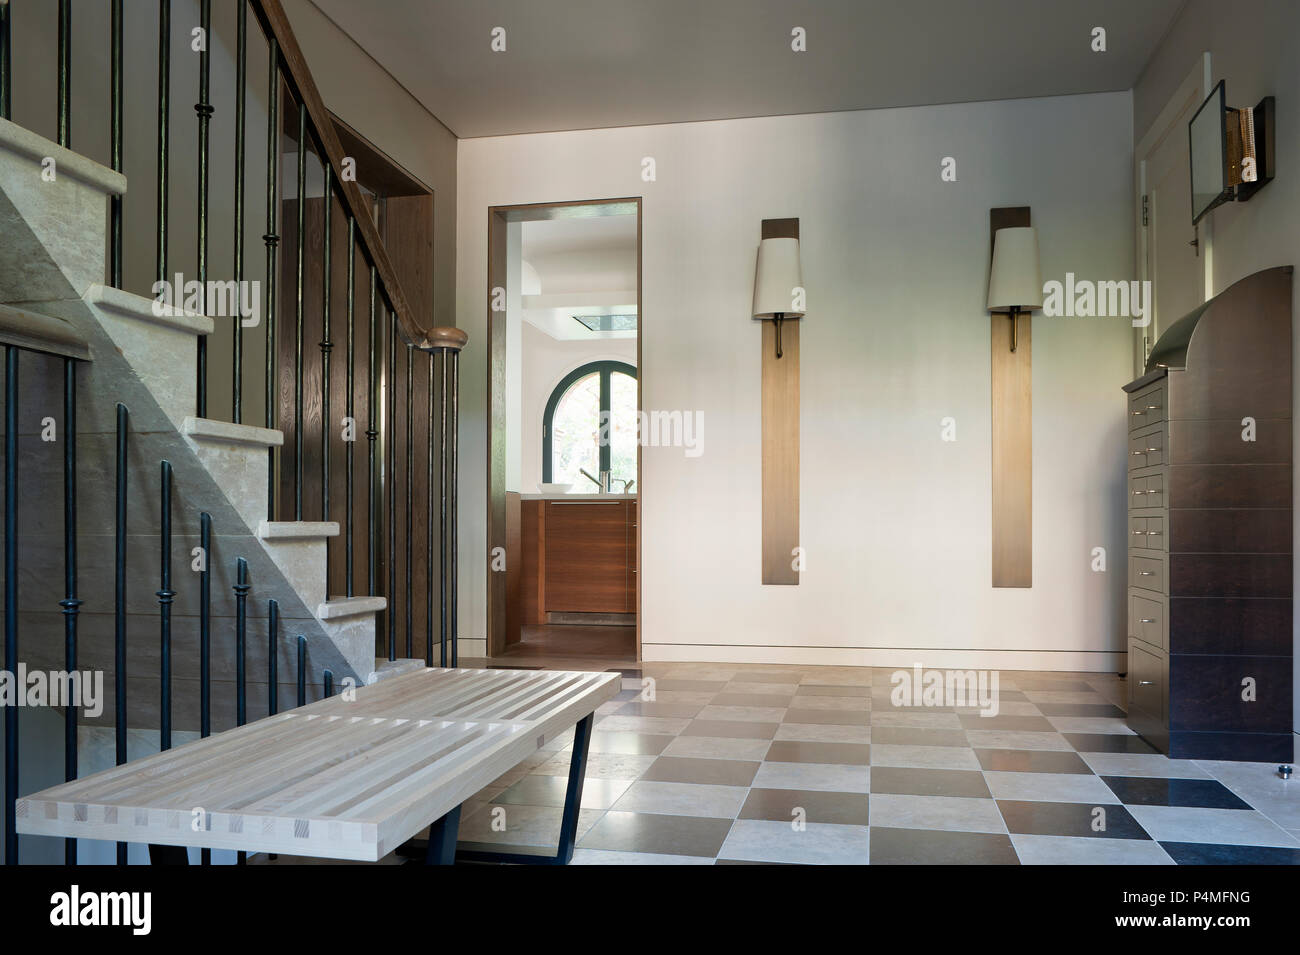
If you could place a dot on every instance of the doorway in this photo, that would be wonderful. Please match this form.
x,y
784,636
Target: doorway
x,y
564,462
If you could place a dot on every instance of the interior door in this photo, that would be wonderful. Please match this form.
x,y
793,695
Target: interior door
x,y
1174,254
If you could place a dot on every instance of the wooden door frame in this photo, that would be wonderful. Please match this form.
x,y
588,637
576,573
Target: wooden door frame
x,y
498,218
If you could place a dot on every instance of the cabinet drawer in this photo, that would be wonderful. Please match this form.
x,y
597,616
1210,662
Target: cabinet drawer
x,y
1146,573
1146,620
1147,491
1146,681
1146,450
1146,533
1146,408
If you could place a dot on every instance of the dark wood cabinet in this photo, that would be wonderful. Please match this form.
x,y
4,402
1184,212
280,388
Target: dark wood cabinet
x,y
578,557
1210,529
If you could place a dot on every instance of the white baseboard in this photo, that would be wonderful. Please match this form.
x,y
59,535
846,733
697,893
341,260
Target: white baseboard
x,y
1078,661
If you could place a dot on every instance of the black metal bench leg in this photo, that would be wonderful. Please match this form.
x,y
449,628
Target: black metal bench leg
x,y
168,855
442,840
573,794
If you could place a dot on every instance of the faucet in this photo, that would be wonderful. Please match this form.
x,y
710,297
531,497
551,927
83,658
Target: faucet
x,y
627,484
603,482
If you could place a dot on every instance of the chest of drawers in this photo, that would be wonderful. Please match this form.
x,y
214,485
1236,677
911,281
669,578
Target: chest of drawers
x,y
1209,530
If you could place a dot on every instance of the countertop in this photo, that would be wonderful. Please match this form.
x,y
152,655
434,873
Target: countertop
x,y
577,497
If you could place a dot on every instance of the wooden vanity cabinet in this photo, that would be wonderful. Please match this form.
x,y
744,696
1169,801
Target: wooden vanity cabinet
x,y
578,557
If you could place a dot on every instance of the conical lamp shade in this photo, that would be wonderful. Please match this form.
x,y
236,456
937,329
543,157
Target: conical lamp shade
x,y
1014,280
776,278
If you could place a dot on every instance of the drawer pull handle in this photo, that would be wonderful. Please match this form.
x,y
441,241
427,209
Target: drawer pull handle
x,y
1147,620
1138,414
1138,454
1153,533
1153,407
1149,450
1146,682
1139,533
1146,573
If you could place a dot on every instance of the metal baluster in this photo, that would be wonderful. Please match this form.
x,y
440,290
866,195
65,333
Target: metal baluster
x,y
115,144
204,110
119,600
428,528
205,642
298,316
241,589
444,608
371,434
272,659
351,379
70,603
302,670
390,483
241,84
11,597
164,128
410,485
451,502
272,239
165,596
6,57
329,683
326,346
65,69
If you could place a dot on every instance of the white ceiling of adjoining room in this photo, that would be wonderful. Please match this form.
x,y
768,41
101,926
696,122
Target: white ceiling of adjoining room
x,y
585,64
585,266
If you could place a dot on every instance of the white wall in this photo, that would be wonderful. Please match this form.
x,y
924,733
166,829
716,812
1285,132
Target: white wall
x,y
545,363
1263,60
894,521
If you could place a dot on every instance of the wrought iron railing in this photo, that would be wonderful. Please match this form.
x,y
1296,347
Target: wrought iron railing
x,y
389,318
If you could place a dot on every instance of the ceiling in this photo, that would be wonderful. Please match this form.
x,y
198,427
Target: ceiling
x,y
585,266
584,64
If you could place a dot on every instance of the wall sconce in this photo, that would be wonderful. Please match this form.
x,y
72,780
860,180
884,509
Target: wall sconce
x,y
778,282
1015,283
778,295
1015,286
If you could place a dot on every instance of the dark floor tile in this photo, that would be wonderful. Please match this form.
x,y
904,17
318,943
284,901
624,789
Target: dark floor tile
x,y
828,717
917,736
932,847
624,695
677,711
731,729
782,676
928,782
1081,709
689,769
1205,853
1018,724
1108,743
633,672
816,689
693,686
655,832
798,751
750,699
1030,761
629,744
846,809
1201,793
1070,819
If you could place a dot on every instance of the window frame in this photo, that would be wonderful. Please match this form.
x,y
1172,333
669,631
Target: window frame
x,y
605,367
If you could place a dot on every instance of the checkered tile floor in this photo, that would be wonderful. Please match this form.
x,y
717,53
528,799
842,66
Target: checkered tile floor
x,y
766,764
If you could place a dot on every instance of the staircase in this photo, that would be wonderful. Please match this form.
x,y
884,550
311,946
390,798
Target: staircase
x,y
146,534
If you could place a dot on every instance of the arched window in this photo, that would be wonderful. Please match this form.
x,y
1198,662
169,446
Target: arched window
x,y
573,439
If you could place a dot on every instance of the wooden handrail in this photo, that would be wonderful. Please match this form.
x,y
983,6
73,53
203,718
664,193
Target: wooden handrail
x,y
275,23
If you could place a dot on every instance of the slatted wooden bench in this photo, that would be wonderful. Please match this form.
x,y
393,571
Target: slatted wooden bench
x,y
342,779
